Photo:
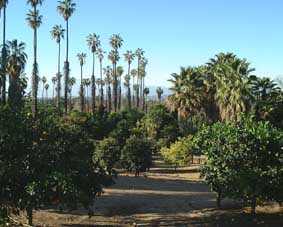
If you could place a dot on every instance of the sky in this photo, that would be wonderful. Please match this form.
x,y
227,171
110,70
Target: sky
x,y
173,33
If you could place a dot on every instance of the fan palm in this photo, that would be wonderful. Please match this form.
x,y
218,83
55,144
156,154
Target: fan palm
x,y
34,20
93,43
100,55
46,87
146,93
108,80
54,81
120,72
72,82
127,84
129,57
66,8
116,42
140,54
16,61
57,33
134,74
82,59
159,92
43,81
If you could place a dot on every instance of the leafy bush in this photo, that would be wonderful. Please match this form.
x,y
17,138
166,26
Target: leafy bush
x,y
244,161
179,153
137,154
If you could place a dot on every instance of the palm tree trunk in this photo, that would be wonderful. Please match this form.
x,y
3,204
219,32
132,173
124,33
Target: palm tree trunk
x,y
66,68
109,99
34,75
82,91
115,88
59,78
93,86
129,87
101,86
119,94
4,56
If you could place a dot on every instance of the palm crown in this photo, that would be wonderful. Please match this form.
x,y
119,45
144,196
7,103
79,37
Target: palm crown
x,y
82,58
129,56
57,33
66,8
93,42
34,3
116,41
34,19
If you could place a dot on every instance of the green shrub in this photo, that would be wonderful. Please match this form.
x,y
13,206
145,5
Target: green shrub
x,y
137,154
244,161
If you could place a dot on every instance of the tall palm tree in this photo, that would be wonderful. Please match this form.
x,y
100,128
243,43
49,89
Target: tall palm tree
x,y
46,87
54,81
129,57
57,33
34,20
108,80
146,93
86,85
43,81
140,54
3,5
100,55
120,72
16,62
116,43
93,43
134,74
72,82
66,8
143,63
127,84
82,59
159,92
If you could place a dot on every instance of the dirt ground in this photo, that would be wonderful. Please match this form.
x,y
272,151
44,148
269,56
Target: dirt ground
x,y
161,197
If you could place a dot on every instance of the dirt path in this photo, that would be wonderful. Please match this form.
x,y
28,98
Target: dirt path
x,y
161,197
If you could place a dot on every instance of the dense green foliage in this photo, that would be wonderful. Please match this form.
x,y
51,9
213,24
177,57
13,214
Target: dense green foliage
x,y
244,160
136,154
179,153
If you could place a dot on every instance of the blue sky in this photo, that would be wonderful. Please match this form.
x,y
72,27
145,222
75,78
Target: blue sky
x,y
173,33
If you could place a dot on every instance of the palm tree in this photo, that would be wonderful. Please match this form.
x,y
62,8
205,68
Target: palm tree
x,y
129,57
43,81
146,93
54,81
57,33
86,84
143,63
82,59
120,72
93,43
46,87
134,73
108,80
66,8
3,5
159,92
100,55
34,20
16,62
72,82
127,84
116,43
139,53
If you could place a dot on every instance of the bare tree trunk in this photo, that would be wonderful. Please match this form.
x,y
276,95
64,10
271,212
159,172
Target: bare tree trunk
x,y
93,86
66,69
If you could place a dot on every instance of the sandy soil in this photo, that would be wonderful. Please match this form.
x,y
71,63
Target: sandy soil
x,y
161,197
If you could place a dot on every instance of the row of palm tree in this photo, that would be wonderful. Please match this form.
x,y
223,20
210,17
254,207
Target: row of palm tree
x,y
222,89
110,76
